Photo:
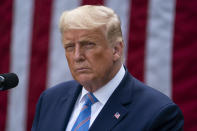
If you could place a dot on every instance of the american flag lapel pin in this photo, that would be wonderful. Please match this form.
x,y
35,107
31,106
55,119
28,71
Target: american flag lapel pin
x,y
117,115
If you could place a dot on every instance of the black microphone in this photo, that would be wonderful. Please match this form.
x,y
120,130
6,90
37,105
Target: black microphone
x,y
8,80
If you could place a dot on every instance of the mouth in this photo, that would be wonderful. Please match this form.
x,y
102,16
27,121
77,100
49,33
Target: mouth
x,y
82,70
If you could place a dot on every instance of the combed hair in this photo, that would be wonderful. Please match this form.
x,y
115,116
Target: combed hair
x,y
93,17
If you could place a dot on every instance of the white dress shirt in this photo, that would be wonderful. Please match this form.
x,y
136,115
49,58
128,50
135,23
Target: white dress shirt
x,y
101,94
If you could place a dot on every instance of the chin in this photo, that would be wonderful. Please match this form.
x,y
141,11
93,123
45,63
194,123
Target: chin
x,y
83,79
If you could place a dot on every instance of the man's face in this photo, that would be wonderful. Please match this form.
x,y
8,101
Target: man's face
x,y
90,57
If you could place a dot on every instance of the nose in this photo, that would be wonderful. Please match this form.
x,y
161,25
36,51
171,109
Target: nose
x,y
78,54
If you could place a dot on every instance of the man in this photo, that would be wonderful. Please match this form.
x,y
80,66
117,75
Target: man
x,y
103,96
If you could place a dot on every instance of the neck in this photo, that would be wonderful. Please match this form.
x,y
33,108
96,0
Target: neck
x,y
97,84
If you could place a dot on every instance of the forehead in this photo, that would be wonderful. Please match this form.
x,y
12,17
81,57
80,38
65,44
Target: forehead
x,y
82,34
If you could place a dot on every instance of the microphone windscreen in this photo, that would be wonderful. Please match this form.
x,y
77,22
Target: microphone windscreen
x,y
10,80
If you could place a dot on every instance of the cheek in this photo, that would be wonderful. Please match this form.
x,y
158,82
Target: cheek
x,y
69,60
101,61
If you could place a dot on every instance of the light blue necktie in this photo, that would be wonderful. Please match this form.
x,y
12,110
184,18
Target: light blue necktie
x,y
83,120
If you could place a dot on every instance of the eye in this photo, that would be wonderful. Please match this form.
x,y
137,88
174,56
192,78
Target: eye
x,y
69,47
89,45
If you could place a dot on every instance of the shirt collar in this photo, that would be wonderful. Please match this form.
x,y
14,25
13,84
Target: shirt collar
x,y
106,91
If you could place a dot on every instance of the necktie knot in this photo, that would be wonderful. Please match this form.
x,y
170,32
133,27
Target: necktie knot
x,y
90,99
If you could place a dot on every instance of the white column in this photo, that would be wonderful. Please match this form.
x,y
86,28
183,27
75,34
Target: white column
x,y
20,51
158,59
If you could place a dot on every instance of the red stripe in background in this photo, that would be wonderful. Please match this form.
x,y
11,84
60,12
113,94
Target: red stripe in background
x,y
39,55
137,38
92,2
185,62
5,40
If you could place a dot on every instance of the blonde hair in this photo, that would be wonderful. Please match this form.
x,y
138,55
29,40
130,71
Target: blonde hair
x,y
93,17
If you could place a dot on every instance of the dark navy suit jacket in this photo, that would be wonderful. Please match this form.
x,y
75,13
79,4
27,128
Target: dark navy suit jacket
x,y
141,108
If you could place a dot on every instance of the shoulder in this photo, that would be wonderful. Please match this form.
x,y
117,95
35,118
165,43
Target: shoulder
x,y
146,94
158,108
62,89
63,86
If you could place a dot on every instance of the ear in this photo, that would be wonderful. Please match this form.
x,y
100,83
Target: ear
x,y
118,51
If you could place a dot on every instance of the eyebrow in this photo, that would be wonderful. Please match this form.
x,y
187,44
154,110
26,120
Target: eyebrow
x,y
82,40
85,38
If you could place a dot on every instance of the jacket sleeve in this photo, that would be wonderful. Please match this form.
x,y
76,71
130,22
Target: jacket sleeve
x,y
168,118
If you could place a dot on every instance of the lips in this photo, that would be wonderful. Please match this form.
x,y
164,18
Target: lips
x,y
82,69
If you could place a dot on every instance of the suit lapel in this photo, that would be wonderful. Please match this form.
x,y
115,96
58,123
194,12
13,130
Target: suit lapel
x,y
65,106
110,115
116,107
